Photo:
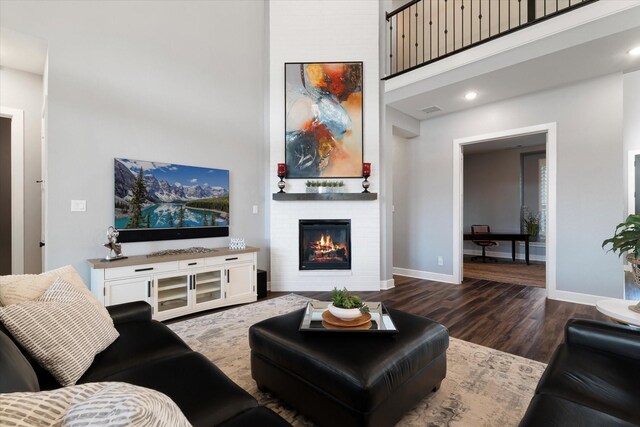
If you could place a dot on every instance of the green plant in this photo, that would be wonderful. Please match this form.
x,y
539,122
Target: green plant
x,y
626,237
531,222
345,299
341,184
308,183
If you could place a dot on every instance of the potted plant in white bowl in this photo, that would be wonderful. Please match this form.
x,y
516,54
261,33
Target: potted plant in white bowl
x,y
346,306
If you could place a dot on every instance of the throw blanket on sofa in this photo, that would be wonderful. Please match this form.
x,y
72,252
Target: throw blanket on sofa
x,y
105,403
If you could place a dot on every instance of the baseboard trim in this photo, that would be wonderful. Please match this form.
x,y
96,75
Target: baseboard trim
x,y
387,284
505,255
426,275
575,297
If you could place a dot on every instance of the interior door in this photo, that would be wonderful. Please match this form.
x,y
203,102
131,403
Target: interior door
x,y
43,184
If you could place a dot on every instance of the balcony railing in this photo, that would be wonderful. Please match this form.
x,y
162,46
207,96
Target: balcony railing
x,y
425,31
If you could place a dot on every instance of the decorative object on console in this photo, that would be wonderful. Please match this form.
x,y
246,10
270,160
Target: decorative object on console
x,y
366,173
282,172
164,201
323,119
627,239
192,250
236,243
115,248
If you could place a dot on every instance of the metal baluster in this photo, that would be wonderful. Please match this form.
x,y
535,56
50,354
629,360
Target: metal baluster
x,y
397,45
409,42
545,7
499,18
556,5
489,18
438,30
430,29
404,54
462,21
424,58
417,34
471,22
519,12
509,4
453,16
391,46
446,30
480,21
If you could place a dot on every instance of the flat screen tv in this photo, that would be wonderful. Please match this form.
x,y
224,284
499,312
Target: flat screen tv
x,y
165,201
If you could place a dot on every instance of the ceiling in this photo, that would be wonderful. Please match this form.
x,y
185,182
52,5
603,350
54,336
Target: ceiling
x,y
22,52
583,61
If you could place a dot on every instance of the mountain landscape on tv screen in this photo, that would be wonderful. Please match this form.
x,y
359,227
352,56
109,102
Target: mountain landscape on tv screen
x,y
165,195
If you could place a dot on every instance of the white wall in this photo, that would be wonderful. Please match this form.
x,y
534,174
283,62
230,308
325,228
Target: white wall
x,y
631,127
317,31
589,116
23,91
168,81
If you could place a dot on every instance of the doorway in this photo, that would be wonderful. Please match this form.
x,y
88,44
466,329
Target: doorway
x,y
549,132
13,155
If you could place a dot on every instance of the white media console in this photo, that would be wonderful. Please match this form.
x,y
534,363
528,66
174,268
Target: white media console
x,y
176,285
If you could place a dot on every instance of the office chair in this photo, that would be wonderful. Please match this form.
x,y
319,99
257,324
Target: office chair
x,y
482,229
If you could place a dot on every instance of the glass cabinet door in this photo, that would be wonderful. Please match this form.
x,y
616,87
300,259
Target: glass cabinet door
x,y
208,286
172,293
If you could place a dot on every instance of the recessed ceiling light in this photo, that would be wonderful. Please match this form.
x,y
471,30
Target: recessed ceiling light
x,y
635,51
470,96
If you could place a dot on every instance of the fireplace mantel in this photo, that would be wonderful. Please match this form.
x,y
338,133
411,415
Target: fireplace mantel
x,y
284,197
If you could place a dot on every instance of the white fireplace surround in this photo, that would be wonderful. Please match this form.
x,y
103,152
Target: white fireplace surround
x,y
365,246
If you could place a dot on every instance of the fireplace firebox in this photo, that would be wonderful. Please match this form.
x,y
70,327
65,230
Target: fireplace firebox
x,y
325,244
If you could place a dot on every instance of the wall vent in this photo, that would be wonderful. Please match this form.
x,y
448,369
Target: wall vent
x,y
432,109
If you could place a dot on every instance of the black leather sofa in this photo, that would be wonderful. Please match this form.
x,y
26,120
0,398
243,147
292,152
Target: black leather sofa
x,y
593,379
148,354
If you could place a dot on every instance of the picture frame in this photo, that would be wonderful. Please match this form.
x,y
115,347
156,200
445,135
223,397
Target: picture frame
x,y
324,119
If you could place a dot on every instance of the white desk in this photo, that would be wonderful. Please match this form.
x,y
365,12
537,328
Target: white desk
x,y
618,309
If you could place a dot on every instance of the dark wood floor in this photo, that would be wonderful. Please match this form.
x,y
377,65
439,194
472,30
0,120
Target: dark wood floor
x,y
512,318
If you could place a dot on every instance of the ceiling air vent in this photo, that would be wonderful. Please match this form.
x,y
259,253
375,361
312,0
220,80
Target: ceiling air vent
x,y
432,109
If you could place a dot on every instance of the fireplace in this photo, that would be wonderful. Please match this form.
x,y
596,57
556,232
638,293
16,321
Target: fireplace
x,y
325,244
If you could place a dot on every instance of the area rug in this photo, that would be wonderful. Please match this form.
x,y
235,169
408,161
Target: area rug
x,y
483,387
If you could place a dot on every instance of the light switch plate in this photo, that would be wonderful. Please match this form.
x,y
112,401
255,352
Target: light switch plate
x,y
78,206
255,209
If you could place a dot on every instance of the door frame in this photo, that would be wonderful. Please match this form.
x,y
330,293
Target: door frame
x,y
17,187
550,129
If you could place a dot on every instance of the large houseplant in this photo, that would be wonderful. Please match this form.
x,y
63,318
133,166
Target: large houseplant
x,y
626,239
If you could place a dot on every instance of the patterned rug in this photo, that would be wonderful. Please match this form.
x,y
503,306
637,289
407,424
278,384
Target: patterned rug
x,y
483,387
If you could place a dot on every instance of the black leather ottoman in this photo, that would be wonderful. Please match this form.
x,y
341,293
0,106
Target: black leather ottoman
x,y
339,379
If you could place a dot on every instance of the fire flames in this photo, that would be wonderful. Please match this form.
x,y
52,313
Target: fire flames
x,y
325,250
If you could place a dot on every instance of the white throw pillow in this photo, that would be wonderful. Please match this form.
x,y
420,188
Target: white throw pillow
x,y
61,330
29,287
98,404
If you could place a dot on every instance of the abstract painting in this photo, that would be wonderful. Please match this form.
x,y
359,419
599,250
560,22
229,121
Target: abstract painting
x,y
323,119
